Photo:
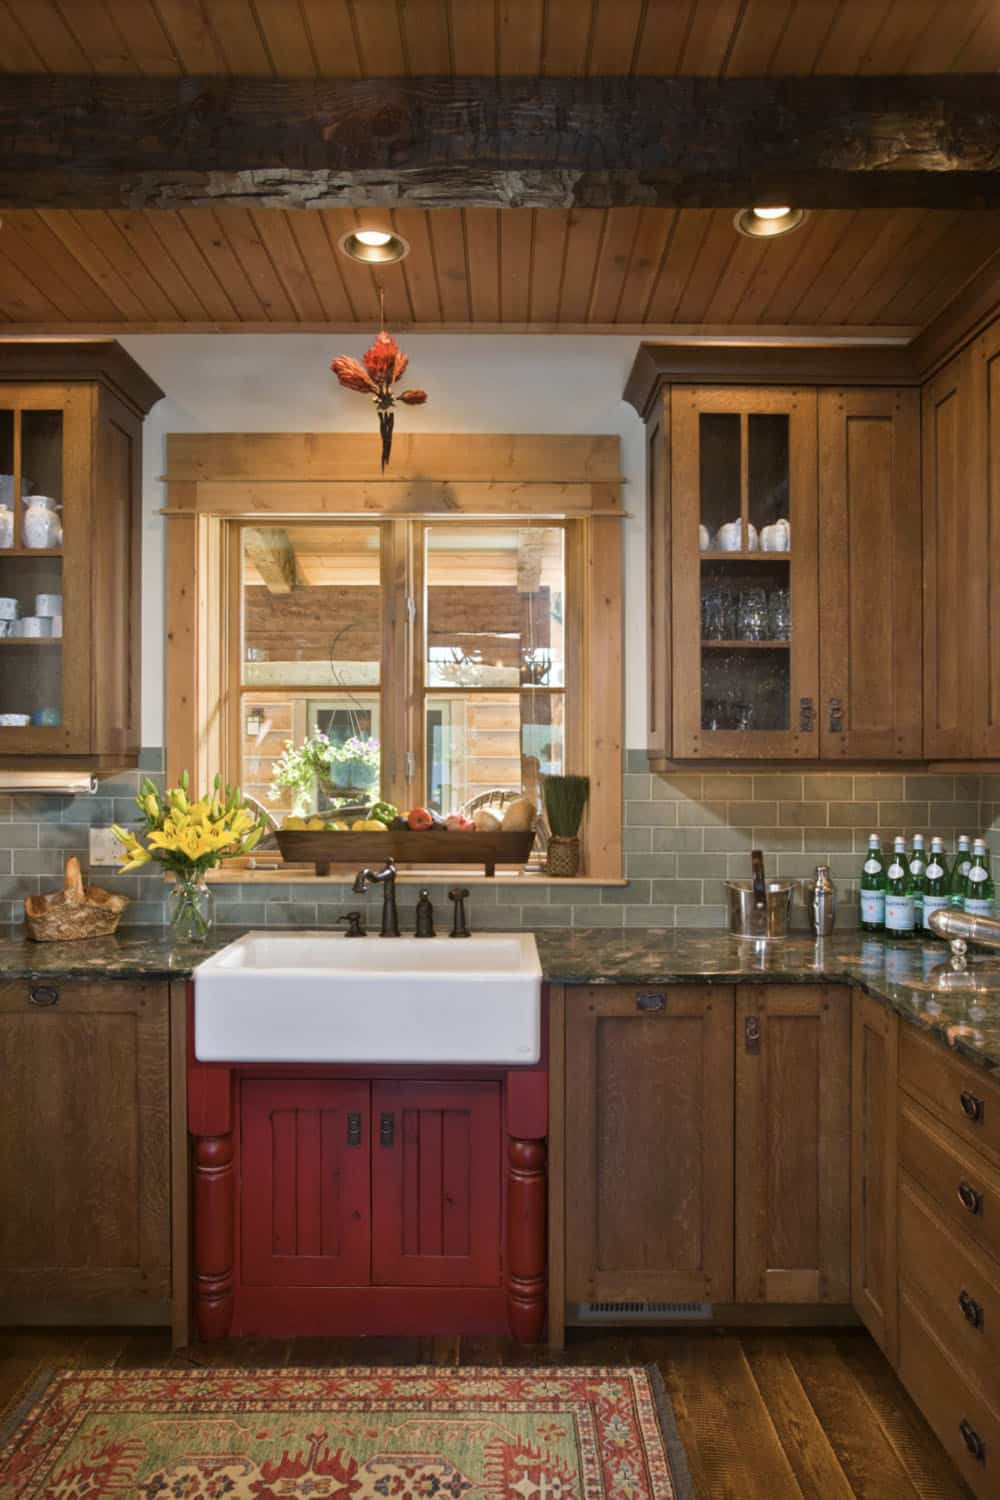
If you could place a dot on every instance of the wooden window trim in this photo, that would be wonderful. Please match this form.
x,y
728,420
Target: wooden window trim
x,y
216,479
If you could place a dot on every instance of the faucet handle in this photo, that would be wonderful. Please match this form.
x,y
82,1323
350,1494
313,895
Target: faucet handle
x,y
355,923
459,927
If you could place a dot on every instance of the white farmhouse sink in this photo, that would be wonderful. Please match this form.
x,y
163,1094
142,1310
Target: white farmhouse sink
x,y
321,997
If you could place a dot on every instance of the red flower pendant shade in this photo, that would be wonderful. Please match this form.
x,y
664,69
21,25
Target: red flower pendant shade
x,y
383,365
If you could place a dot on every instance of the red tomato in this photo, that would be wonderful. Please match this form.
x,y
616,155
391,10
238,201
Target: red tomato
x,y
418,818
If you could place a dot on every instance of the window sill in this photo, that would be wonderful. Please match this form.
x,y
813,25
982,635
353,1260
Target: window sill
x,y
431,875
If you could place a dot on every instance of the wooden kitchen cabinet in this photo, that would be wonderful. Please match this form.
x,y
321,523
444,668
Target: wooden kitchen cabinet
x,y
874,1077
803,645
649,1144
961,464
71,431
792,1163
304,1216
870,595
436,1184
84,1152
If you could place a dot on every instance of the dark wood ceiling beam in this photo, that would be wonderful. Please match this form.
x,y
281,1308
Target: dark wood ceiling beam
x,y
99,142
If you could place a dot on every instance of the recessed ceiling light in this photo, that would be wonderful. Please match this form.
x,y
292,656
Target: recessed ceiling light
x,y
765,223
375,247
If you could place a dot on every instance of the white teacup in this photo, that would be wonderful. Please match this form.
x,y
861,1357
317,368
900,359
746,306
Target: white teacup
x,y
33,626
15,721
9,609
48,604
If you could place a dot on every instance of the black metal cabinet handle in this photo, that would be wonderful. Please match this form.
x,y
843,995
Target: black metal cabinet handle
x,y
386,1128
972,1440
974,1109
353,1127
751,1035
651,1000
807,715
971,1309
969,1198
836,716
43,994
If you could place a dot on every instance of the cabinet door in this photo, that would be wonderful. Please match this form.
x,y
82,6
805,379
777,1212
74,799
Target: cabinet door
x,y
84,1152
436,1184
961,667
793,1103
744,561
47,659
871,599
304,1165
649,1144
874,1070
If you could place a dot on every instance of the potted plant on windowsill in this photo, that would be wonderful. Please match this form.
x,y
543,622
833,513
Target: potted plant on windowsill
x,y
565,798
188,838
319,767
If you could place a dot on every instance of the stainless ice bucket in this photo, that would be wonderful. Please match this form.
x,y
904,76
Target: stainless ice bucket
x,y
770,919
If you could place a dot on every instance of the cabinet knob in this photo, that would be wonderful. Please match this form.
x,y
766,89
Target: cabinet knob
x,y
651,1000
974,1109
969,1198
971,1309
43,994
972,1440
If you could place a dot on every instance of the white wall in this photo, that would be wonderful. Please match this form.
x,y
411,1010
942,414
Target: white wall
x,y
475,383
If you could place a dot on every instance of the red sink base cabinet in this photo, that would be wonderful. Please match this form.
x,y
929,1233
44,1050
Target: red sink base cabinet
x,y
335,1200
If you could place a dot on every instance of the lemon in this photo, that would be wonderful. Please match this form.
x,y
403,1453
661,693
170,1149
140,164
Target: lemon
x,y
338,827
316,825
294,824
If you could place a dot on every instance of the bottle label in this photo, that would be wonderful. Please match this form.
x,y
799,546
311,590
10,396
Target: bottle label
x,y
933,903
977,874
916,867
873,907
896,871
965,867
872,866
899,913
978,908
934,871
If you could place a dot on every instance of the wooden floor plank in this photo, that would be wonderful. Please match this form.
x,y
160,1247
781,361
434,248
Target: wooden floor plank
x,y
763,1415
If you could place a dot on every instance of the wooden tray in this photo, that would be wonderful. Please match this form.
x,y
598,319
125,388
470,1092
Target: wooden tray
x,y
433,846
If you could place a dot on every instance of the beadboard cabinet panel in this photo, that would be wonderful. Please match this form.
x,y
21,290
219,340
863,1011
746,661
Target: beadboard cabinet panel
x,y
84,1152
649,1145
870,575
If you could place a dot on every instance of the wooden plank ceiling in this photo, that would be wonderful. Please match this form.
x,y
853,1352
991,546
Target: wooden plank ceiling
x,y
379,38
588,269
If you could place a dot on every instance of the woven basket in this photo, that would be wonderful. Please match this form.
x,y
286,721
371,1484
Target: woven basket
x,y
562,858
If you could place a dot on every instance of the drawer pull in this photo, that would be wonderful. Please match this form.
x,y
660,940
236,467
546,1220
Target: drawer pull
x,y
651,1000
971,1309
974,1109
972,1440
354,1127
969,1198
43,994
386,1129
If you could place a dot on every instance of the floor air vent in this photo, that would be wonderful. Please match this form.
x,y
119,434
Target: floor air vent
x,y
640,1312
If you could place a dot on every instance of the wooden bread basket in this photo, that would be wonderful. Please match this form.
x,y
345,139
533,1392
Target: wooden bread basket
x,y
77,911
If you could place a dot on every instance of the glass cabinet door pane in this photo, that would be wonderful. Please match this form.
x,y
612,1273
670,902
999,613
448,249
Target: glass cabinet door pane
x,y
745,649
719,481
767,479
8,500
41,479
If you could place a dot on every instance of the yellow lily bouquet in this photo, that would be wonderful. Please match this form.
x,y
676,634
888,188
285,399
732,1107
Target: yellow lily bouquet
x,y
188,838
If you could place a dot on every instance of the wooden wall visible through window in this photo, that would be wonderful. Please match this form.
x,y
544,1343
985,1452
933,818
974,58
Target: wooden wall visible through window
x,y
217,482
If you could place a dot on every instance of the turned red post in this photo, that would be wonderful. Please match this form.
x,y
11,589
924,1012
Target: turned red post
x,y
526,1191
214,1187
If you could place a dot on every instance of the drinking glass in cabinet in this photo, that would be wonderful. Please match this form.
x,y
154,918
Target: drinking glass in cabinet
x,y
779,615
751,624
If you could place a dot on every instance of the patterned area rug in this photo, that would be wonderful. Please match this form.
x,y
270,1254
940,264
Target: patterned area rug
x,y
360,1434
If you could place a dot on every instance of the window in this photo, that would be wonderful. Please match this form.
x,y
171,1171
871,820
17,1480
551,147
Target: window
x,y
488,635
455,640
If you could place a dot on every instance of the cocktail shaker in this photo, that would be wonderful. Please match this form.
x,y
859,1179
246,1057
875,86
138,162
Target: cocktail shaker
x,y
822,902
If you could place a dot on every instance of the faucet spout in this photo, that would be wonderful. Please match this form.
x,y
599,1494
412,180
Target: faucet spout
x,y
386,878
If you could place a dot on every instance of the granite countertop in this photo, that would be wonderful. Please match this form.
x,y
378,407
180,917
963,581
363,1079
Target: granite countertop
x,y
963,1011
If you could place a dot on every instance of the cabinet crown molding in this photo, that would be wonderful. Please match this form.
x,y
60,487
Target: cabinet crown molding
x,y
83,361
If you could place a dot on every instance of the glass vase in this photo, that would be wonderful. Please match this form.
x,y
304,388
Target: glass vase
x,y
191,909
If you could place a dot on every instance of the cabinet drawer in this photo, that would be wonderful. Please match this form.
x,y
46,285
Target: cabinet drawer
x,y
959,1288
967,1428
958,1093
962,1184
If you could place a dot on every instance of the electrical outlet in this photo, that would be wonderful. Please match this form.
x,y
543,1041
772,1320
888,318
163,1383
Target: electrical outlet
x,y
104,847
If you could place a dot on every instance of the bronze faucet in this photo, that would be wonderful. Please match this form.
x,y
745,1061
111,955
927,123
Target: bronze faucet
x,y
386,878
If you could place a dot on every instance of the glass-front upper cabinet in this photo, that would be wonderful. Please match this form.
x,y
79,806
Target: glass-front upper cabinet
x,y
744,559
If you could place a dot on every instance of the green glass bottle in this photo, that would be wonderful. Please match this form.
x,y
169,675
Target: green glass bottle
x,y
872,891
918,879
980,890
899,920
936,889
959,870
